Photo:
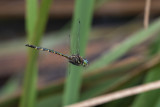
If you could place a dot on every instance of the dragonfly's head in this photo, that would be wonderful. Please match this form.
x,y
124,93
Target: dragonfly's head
x,y
85,62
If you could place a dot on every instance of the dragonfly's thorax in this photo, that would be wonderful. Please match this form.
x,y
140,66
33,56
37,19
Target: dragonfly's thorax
x,y
76,60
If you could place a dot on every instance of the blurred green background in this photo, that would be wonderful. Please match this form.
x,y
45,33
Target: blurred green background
x,y
112,37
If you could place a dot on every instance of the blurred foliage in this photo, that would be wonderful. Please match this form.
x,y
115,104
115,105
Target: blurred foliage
x,y
100,78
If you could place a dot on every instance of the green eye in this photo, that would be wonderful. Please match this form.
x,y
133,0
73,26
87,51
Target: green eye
x,y
85,62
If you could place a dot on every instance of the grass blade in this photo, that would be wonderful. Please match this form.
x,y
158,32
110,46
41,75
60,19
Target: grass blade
x,y
83,13
121,49
31,16
34,36
150,97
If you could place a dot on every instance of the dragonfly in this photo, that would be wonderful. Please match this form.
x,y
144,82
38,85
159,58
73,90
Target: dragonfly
x,y
74,59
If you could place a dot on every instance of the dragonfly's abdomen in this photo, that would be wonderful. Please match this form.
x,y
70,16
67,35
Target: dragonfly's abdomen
x,y
74,59
48,50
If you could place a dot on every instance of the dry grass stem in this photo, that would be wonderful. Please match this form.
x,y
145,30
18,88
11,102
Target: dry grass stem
x,y
117,95
146,13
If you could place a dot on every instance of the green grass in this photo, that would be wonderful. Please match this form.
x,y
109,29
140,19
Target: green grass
x,y
151,97
125,46
49,93
36,19
83,13
35,25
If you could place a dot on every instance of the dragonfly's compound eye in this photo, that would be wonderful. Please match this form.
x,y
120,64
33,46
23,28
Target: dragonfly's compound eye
x,y
85,62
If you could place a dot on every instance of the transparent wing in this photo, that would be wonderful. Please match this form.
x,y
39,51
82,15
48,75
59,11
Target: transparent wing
x,y
78,41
